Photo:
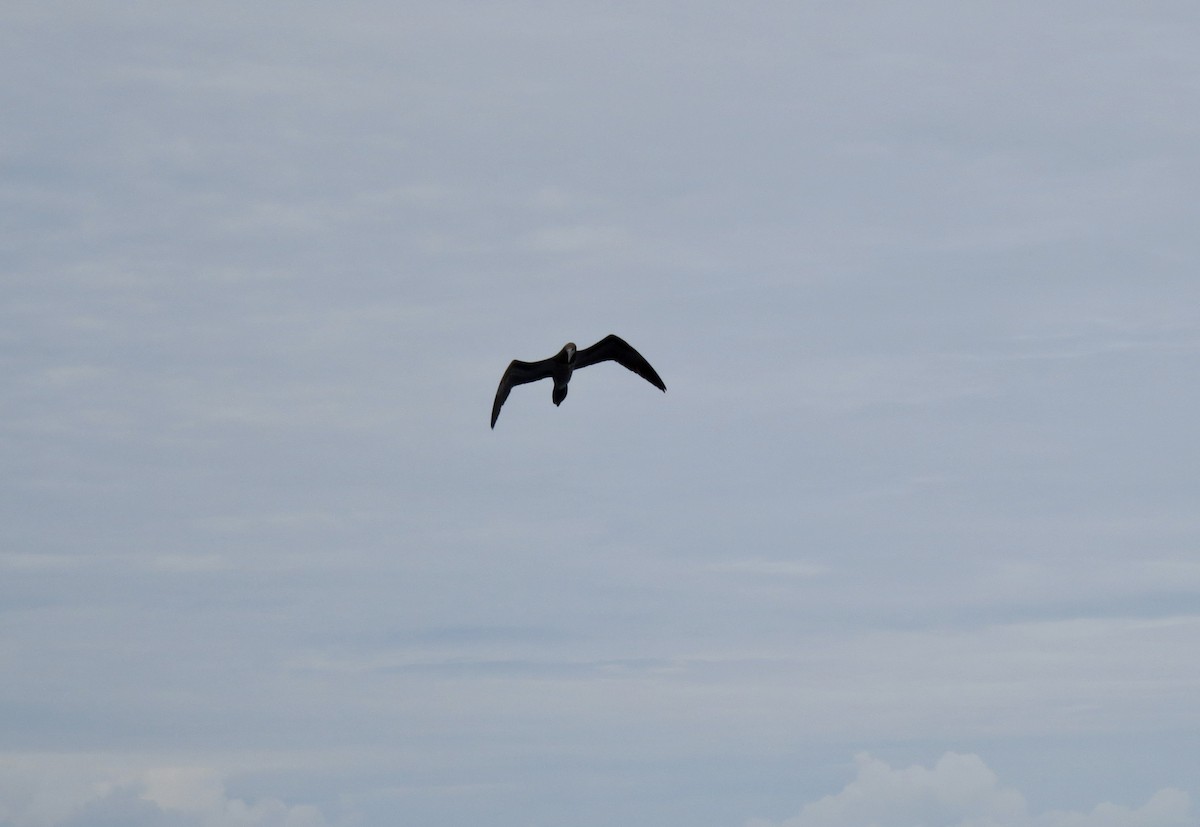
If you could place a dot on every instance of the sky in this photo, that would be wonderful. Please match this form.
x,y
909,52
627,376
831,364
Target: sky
x,y
911,540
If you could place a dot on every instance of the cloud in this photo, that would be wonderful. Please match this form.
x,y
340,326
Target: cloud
x,y
154,797
961,791
770,568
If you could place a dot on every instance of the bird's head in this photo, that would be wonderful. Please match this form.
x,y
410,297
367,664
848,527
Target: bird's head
x,y
569,349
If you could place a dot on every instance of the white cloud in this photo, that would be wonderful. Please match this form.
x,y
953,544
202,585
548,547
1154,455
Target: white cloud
x,y
961,791
74,795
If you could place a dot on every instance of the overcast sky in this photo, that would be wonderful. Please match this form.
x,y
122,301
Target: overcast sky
x,y
912,539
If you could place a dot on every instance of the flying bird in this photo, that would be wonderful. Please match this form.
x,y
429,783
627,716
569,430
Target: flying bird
x,y
560,367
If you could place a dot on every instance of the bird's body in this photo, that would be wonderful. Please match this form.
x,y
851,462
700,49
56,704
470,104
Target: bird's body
x,y
563,364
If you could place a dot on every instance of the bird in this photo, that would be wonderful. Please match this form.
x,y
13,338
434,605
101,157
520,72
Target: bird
x,y
560,366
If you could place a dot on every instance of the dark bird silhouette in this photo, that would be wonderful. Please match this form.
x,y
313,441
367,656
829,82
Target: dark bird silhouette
x,y
560,367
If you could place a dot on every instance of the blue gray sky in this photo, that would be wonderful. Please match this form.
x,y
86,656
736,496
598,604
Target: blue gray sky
x,y
910,541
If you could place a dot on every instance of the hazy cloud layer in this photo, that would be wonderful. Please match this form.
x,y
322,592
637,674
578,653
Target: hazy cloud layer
x,y
920,279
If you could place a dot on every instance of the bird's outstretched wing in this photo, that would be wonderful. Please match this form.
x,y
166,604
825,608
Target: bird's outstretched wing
x,y
618,350
519,373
